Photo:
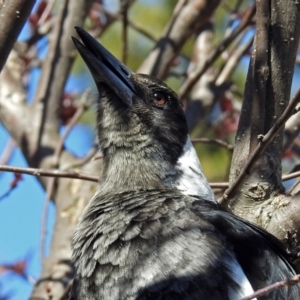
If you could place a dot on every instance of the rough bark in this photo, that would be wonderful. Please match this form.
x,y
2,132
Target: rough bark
x,y
260,197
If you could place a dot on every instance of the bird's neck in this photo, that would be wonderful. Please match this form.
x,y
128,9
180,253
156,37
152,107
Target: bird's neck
x,y
135,170
126,171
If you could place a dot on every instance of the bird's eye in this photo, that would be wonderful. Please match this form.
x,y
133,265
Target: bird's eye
x,y
160,99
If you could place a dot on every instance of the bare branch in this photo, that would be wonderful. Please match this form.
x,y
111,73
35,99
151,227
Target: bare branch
x,y
56,68
219,185
260,72
233,60
275,286
13,15
124,13
132,24
188,16
263,143
87,177
50,173
185,88
291,176
266,97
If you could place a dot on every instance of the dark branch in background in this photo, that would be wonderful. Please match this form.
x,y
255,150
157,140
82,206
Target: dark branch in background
x,y
187,18
124,13
233,13
198,72
264,141
275,286
13,15
259,73
99,27
131,24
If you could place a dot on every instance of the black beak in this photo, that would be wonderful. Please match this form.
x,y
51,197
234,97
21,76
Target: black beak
x,y
104,67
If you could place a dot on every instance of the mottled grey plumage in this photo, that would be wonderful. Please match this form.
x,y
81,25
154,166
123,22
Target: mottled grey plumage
x,y
141,237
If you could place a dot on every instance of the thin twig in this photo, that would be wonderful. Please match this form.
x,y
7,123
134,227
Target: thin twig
x,y
213,141
13,15
124,13
233,16
219,185
87,177
46,12
275,286
188,84
50,173
291,176
131,24
264,141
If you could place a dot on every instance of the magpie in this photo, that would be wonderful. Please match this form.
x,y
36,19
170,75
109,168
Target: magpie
x,y
153,229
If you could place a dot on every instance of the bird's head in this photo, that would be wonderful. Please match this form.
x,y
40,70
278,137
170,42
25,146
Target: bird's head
x,y
141,124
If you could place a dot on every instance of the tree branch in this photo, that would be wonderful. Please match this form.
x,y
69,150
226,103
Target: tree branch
x,y
200,70
124,13
50,173
56,69
13,15
275,286
188,16
263,142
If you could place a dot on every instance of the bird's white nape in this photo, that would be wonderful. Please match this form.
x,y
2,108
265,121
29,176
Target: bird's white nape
x,y
191,180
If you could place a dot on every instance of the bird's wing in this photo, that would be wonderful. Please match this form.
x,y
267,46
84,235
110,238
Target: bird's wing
x,y
261,255
150,245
